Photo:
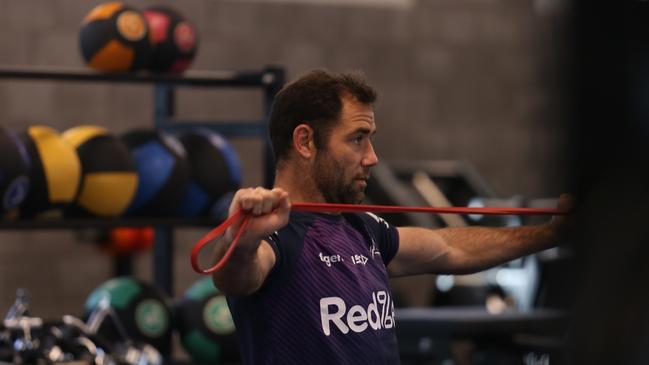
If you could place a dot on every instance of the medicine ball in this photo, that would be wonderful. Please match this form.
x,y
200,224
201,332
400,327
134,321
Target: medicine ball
x,y
163,172
215,172
55,172
122,241
174,39
205,324
115,37
109,179
141,309
14,171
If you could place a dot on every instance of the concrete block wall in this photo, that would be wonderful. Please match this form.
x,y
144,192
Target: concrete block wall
x,y
476,80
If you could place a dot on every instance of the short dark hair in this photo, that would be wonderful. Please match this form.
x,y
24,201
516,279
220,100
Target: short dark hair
x,y
314,99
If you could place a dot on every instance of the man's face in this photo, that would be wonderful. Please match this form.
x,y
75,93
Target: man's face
x,y
342,168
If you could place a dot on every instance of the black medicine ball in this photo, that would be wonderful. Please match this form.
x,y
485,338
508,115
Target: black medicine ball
x,y
174,39
115,37
14,171
216,173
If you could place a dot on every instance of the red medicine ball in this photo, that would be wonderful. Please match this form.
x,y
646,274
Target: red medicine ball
x,y
174,40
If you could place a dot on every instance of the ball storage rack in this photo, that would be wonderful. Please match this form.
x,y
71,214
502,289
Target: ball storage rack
x,y
270,79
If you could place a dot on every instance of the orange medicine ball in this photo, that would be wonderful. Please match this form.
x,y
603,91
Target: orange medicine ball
x,y
115,37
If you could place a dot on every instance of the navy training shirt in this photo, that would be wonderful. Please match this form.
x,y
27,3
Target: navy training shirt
x,y
327,300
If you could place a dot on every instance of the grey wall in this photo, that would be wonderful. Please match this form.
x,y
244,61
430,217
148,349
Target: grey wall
x,y
475,80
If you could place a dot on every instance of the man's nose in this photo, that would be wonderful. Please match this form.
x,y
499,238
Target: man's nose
x,y
370,158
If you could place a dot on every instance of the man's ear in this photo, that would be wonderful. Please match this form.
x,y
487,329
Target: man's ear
x,y
303,141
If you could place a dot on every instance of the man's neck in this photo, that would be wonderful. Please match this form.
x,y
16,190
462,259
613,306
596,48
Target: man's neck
x,y
299,184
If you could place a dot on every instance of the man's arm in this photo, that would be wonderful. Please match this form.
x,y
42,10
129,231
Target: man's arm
x,y
471,249
253,258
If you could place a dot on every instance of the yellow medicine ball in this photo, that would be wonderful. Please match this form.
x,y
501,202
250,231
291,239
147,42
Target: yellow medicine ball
x,y
109,180
55,171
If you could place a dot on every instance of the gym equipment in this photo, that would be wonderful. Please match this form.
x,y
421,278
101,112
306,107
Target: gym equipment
x,y
205,324
385,188
125,350
444,183
115,37
163,172
6,347
266,80
215,173
25,334
141,309
109,179
55,172
22,331
14,172
174,40
65,342
25,339
128,240
427,334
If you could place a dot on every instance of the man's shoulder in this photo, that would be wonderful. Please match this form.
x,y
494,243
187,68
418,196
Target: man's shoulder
x,y
368,219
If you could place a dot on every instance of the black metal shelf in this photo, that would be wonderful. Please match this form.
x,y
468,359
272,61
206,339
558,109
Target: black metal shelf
x,y
266,77
74,223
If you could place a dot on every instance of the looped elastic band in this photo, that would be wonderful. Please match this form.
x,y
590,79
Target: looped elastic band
x,y
216,232
243,219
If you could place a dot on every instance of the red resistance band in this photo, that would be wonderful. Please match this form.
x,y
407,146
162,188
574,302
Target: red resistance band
x,y
242,217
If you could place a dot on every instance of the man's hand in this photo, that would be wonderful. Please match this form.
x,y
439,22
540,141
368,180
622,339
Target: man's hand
x,y
269,210
253,258
562,224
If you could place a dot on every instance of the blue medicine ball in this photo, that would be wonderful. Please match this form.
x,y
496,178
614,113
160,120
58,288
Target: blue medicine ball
x,y
163,172
216,173
14,171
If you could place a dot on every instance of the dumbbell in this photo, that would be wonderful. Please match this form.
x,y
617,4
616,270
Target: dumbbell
x,y
125,351
6,348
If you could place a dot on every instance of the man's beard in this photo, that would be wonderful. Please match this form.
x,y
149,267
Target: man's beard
x,y
330,181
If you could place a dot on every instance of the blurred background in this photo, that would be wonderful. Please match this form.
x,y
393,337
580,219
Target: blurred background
x,y
494,100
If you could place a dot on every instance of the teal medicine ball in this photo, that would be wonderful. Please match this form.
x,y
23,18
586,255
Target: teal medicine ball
x,y
142,309
206,328
14,171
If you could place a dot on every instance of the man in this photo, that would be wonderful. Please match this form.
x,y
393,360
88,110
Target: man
x,y
313,288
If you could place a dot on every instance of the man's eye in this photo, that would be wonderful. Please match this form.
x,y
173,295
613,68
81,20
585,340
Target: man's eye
x,y
358,139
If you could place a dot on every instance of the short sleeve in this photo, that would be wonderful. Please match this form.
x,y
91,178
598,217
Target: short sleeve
x,y
287,244
383,235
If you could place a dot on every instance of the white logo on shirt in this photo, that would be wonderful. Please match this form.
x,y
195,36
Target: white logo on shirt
x,y
373,250
359,260
377,315
378,219
330,259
